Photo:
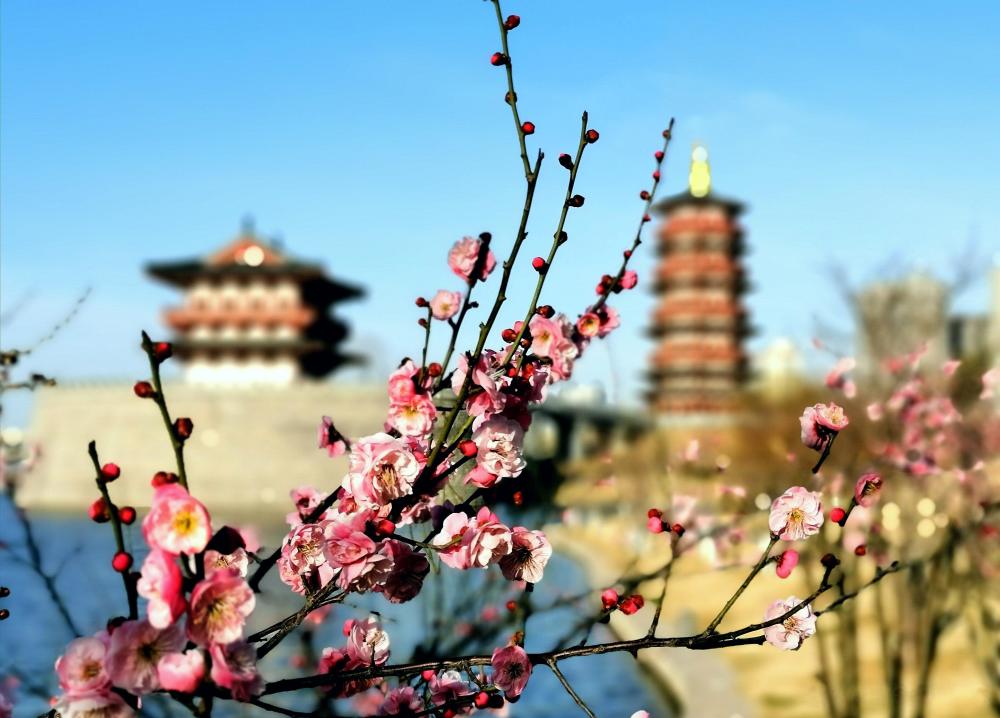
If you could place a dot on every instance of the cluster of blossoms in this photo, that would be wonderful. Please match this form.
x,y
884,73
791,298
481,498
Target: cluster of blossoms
x,y
198,601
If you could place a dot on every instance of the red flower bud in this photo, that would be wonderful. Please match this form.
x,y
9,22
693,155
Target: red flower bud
x,y
4,615
385,527
656,175
838,515
666,134
645,218
528,128
566,161
468,448
592,136
163,351
110,471
512,606
601,289
508,97
122,561
482,699
143,390
508,335
632,604
644,194
576,200
627,253
654,512
434,369
183,427
512,371
422,322
546,311
860,550
497,59
99,511
127,515
654,524
427,675
609,598
162,478
420,302
512,21
829,561
678,529
518,498
538,263
658,155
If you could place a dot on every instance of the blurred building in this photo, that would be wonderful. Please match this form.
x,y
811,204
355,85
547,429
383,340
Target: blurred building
x,y
252,334
252,314
700,322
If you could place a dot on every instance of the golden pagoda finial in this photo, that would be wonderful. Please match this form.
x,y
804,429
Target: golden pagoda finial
x,y
700,176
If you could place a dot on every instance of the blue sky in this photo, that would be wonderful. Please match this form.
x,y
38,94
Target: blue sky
x,y
372,135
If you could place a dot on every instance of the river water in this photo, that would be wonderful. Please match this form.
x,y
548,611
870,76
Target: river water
x,y
79,551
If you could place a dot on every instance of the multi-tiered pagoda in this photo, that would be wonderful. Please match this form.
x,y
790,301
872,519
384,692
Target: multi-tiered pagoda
x,y
252,315
699,322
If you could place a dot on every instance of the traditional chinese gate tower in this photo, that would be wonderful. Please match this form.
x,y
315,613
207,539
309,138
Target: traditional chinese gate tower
x,y
254,315
699,322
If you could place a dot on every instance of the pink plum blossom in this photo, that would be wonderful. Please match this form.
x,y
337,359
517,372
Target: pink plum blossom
x,y
220,604
867,489
796,514
177,522
610,320
330,439
406,577
306,499
367,642
528,557
453,541
486,376
629,279
402,383
215,561
234,666
838,379
161,584
445,304
787,561
382,468
790,633
499,441
414,417
511,670
303,558
874,411
551,338
447,686
820,423
589,324
181,672
136,649
491,540
355,554
463,257
81,667
402,701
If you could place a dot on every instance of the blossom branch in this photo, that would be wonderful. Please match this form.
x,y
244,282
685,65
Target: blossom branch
x,y
764,558
129,579
554,667
667,136
156,353
558,239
